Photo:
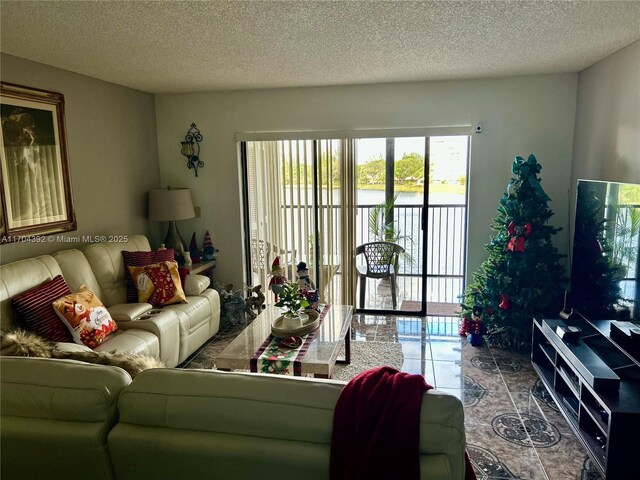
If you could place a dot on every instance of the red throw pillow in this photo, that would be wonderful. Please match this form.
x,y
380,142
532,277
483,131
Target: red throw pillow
x,y
142,259
36,313
158,284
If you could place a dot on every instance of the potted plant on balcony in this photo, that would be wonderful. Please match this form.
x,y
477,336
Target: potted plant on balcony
x,y
382,228
294,303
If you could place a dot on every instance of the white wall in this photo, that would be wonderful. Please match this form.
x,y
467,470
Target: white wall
x,y
519,115
113,152
607,139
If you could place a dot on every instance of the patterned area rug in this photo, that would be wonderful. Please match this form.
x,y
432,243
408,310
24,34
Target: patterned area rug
x,y
364,356
367,355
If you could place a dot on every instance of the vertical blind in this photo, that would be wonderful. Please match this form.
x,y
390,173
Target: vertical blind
x,y
300,207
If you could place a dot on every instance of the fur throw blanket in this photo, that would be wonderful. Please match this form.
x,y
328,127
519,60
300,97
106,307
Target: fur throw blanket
x,y
20,343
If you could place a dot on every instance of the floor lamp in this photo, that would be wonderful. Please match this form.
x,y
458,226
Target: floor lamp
x,y
169,205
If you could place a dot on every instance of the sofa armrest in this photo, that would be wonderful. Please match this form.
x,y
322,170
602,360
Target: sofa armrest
x,y
164,325
125,312
442,430
195,284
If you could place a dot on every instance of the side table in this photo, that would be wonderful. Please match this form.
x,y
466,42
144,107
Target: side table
x,y
203,268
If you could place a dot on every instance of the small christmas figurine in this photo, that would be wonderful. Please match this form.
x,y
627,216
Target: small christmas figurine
x,y
303,277
277,277
473,327
193,249
312,297
256,301
208,250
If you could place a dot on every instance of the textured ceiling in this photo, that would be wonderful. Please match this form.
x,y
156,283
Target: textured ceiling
x,y
181,46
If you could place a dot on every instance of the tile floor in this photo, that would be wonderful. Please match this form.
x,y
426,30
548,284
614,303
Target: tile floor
x,y
513,428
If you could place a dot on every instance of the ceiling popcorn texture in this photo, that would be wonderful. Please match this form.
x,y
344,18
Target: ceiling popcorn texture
x,y
188,46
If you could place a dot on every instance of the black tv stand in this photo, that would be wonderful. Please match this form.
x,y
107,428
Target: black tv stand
x,y
596,385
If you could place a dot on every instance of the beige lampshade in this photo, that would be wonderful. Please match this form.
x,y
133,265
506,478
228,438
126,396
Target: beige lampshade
x,y
168,204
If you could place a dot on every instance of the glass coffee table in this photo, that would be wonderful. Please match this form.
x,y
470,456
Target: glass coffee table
x,y
323,351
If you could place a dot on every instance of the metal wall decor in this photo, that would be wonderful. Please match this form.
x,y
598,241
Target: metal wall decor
x,y
191,148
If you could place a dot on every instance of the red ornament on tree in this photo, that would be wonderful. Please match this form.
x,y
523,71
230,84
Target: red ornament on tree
x,y
504,304
519,234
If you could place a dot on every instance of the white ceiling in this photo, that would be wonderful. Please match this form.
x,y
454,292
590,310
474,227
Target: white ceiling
x,y
182,46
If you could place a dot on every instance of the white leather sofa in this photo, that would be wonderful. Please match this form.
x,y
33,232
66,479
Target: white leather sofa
x,y
171,333
58,422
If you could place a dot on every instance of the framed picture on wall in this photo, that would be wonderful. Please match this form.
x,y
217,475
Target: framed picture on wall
x,y
35,185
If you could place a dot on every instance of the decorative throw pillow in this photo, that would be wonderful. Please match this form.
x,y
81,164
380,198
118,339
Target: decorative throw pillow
x,y
35,312
158,284
85,316
140,259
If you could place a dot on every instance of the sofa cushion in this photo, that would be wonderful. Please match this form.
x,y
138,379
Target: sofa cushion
x,y
36,313
77,271
107,265
131,341
141,259
85,316
158,284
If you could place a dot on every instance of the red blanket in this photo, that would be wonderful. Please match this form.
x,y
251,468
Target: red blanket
x,y
376,427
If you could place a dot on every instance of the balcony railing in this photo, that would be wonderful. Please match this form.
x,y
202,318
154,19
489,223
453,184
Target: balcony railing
x,y
446,231
445,237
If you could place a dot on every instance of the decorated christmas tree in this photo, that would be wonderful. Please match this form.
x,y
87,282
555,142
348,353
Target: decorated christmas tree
x,y
522,276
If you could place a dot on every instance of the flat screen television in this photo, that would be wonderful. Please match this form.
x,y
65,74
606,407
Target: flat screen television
x,y
605,261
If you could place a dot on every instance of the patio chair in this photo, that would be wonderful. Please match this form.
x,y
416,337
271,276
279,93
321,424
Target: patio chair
x,y
382,262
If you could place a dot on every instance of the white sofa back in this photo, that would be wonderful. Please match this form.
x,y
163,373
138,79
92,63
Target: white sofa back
x,y
77,271
205,424
59,416
107,265
56,415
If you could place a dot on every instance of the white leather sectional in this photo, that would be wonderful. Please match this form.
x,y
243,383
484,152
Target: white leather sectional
x,y
63,419
171,333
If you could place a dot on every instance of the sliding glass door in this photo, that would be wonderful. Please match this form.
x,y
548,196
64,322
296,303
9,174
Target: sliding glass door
x,y
411,191
391,194
396,204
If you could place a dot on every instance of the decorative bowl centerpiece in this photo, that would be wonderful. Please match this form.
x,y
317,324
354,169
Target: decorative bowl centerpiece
x,y
294,321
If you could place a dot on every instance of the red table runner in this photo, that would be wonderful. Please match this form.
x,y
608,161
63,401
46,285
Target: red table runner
x,y
273,357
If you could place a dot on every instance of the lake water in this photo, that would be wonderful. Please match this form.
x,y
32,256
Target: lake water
x,y
374,197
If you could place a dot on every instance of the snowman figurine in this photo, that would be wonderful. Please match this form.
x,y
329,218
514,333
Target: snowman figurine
x,y
304,281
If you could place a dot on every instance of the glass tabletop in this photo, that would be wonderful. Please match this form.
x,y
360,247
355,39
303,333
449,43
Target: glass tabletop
x,y
322,353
